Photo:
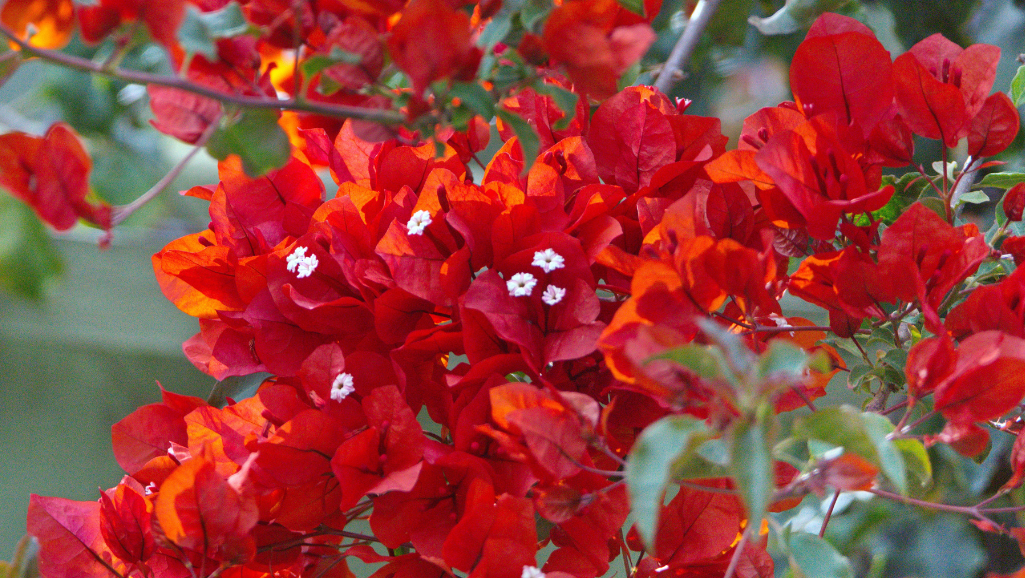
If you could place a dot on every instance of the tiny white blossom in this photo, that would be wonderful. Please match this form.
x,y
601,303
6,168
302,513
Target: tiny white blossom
x,y
301,264
418,222
342,387
548,260
532,572
521,284
553,294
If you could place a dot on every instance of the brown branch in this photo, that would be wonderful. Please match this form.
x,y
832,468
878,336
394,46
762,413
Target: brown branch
x,y
124,211
685,46
261,102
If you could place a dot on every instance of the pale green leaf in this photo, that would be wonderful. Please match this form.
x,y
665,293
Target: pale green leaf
x,y
813,557
650,465
1018,87
529,141
256,138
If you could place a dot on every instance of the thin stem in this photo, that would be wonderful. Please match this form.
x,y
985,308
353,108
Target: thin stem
x,y
262,102
685,46
627,558
948,200
829,514
974,511
124,211
735,559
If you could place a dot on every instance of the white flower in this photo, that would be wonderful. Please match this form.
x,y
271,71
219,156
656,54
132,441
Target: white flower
x,y
300,264
532,572
553,294
342,387
521,284
418,222
548,260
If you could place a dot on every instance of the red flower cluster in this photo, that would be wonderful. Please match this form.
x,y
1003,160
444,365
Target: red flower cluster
x,y
522,310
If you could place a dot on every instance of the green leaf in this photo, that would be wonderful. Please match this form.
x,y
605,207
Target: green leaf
x,y
1002,180
916,459
566,100
795,15
973,198
529,141
751,462
813,557
782,359
257,138
533,13
635,6
704,361
236,387
474,96
1018,87
861,433
318,62
199,31
10,60
495,32
649,467
29,263
891,460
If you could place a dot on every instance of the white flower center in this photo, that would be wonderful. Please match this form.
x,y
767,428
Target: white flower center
x,y
301,264
553,294
532,572
418,222
521,284
342,387
548,260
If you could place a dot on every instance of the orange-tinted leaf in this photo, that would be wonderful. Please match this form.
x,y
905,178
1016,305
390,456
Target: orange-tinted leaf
x,y
197,276
52,21
198,509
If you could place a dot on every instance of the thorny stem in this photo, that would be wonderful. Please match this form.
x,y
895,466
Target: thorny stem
x,y
124,211
829,514
976,511
260,102
900,431
685,46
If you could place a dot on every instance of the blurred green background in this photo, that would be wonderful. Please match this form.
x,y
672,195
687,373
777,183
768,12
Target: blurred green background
x,y
85,333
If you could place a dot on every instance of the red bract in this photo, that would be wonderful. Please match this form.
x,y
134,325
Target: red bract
x,y
550,313
432,41
941,87
198,510
820,179
841,68
584,35
51,174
